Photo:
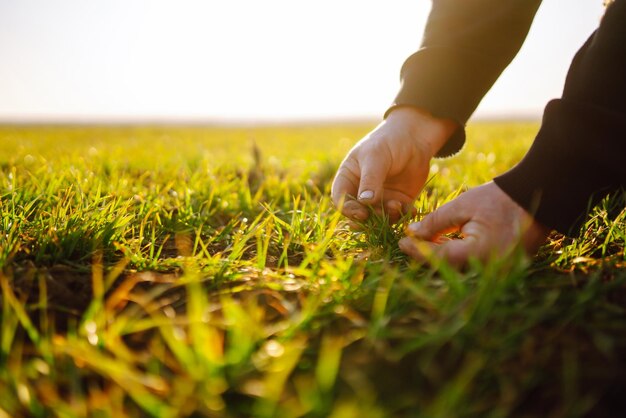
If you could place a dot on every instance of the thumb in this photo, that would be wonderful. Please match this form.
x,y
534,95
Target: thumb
x,y
447,218
373,175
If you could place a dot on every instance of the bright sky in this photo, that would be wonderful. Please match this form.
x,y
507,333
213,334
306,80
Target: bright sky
x,y
246,59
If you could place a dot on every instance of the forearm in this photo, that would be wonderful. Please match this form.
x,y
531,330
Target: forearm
x,y
466,46
578,155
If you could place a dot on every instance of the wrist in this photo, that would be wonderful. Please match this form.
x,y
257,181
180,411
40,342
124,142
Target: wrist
x,y
429,131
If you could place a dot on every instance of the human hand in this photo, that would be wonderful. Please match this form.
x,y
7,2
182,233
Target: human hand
x,y
490,222
388,168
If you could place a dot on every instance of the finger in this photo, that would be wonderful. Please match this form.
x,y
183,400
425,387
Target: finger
x,y
355,226
438,237
343,191
409,209
447,218
374,171
417,249
398,210
345,185
394,210
455,252
390,212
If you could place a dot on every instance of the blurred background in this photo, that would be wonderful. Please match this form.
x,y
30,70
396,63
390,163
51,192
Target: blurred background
x,y
246,61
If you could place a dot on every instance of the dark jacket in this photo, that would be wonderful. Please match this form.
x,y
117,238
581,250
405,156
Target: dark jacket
x,y
579,154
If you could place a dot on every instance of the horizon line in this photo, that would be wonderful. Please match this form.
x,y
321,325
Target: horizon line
x,y
227,121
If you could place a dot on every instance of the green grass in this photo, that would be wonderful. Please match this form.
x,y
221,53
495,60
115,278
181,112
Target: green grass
x,y
204,272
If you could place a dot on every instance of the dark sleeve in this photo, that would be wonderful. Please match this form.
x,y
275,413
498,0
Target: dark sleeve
x,y
579,154
465,47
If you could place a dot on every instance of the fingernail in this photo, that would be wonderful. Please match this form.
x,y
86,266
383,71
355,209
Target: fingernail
x,y
414,228
366,194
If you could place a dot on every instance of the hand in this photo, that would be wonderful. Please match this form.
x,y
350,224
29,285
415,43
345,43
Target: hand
x,y
388,168
490,222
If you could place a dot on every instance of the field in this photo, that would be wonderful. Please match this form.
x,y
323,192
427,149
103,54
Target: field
x,y
203,271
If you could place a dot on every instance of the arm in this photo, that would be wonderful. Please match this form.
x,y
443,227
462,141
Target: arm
x,y
467,43
579,154
577,158
466,46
